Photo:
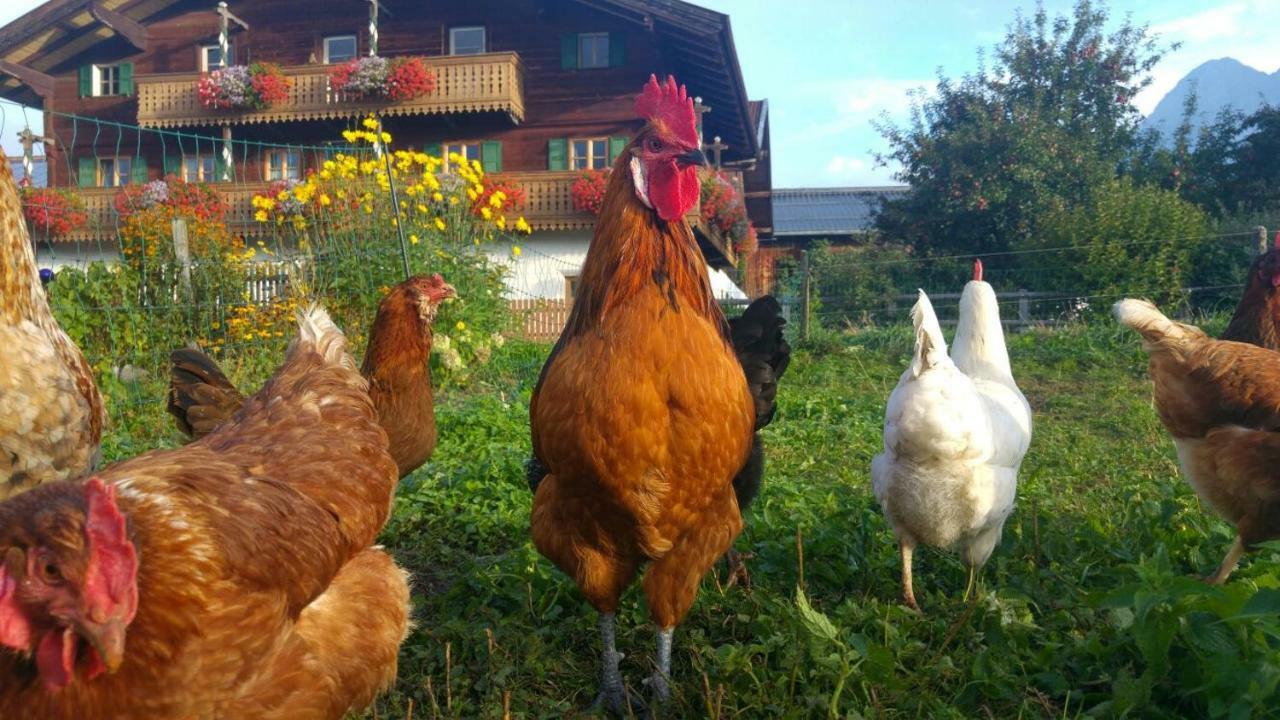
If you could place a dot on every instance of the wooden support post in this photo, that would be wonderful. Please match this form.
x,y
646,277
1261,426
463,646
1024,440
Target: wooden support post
x,y
1261,238
28,140
182,253
716,148
699,109
375,9
804,294
228,158
1024,307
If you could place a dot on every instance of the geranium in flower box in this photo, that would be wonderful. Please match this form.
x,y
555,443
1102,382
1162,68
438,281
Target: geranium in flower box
x,y
588,191
51,212
396,79
244,87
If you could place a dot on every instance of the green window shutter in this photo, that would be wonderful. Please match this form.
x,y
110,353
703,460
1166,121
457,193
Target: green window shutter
x,y
88,175
86,80
433,149
616,146
558,154
173,165
617,49
569,51
139,170
491,156
126,74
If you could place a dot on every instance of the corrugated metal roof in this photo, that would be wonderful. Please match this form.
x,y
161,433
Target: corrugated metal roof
x,y
835,211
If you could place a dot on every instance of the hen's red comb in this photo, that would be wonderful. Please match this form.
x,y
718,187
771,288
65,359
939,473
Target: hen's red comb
x,y
669,107
977,270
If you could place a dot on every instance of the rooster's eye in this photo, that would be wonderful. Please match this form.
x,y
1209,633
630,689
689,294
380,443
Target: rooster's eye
x,y
50,572
655,145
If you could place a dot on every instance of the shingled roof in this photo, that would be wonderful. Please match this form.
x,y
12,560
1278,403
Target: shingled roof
x,y
818,212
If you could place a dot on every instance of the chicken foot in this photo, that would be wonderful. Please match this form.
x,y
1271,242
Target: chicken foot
x,y
658,682
1228,563
613,696
905,549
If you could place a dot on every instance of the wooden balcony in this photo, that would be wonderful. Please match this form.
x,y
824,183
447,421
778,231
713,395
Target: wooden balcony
x,y
466,83
548,206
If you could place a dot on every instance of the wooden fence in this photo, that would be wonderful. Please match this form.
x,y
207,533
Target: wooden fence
x,y
543,319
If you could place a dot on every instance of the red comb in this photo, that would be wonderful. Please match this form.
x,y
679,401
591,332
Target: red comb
x,y
669,106
977,270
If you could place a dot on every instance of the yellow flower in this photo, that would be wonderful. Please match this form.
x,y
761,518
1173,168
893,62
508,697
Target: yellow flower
x,y
497,199
501,222
486,213
413,239
453,199
386,136
370,122
422,209
523,226
440,223
349,136
324,199
461,325
260,216
515,250
437,196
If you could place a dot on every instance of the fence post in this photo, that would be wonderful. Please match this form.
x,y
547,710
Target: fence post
x,y
1024,307
182,252
804,294
1262,239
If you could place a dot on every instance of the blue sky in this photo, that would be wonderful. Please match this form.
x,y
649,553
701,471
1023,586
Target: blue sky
x,y
831,67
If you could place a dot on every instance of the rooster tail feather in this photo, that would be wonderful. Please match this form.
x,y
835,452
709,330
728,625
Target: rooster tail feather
x,y
317,329
1151,324
200,396
931,346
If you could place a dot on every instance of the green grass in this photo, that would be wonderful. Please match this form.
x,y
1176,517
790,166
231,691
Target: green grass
x,y
1089,607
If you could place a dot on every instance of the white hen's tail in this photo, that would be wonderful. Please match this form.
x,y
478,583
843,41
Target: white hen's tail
x,y
317,329
1151,324
931,347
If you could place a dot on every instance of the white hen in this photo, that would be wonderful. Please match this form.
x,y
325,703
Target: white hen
x,y
955,432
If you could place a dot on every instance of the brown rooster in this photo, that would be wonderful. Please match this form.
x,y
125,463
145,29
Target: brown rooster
x,y
642,416
395,363
51,413
231,578
1257,317
1220,400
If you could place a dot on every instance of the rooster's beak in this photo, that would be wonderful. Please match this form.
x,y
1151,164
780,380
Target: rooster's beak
x,y
108,640
693,157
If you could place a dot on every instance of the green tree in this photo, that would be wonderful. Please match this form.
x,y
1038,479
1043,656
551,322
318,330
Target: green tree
x,y
1050,120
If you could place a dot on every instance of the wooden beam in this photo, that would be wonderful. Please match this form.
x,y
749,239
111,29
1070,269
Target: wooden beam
x,y
124,26
39,82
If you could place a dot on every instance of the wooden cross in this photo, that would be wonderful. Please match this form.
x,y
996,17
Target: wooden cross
x,y
699,109
716,148
28,140
374,10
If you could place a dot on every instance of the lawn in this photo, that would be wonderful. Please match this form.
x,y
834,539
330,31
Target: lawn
x,y
1089,607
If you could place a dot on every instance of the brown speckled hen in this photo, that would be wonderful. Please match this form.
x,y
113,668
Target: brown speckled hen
x,y
51,413
642,416
231,578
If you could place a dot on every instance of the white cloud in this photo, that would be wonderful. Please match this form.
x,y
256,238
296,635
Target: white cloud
x,y
1214,23
845,165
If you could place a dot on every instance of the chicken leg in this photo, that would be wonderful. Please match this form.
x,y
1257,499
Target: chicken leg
x,y
658,682
905,549
612,695
1228,563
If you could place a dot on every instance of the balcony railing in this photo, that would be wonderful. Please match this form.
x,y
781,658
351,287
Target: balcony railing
x,y
548,206
464,83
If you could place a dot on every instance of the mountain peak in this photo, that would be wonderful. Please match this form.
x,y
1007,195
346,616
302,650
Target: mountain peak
x,y
1218,84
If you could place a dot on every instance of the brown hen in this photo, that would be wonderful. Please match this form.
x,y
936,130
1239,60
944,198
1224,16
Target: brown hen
x,y
231,578
1220,400
1257,318
51,413
642,416
395,363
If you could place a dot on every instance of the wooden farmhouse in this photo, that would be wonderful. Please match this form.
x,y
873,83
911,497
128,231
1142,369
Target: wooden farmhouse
x,y
537,90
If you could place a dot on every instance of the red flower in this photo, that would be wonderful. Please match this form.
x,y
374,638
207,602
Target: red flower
x,y
269,84
588,191
514,196
52,212
408,78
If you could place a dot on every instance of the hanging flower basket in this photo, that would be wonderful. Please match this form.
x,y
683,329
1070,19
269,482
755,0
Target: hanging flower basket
x,y
725,210
244,87
54,213
396,79
588,191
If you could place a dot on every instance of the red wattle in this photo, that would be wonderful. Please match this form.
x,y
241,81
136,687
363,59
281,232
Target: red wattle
x,y
673,191
56,658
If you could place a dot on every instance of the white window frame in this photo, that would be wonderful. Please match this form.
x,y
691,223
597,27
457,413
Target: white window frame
x,y
206,168
461,148
328,58
99,76
453,43
593,144
204,56
582,55
290,165
114,177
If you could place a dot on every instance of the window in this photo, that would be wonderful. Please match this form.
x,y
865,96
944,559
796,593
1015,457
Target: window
x,y
106,80
199,168
339,48
466,41
211,56
470,151
284,165
593,50
114,172
588,154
